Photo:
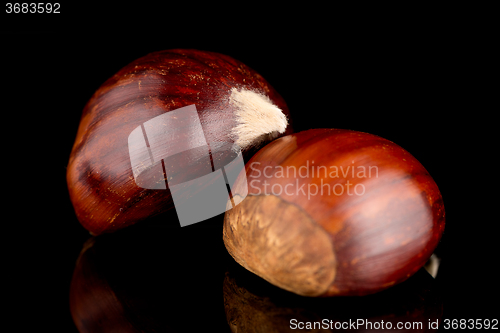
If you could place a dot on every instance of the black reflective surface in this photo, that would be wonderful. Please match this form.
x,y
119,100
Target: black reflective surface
x,y
154,280
162,278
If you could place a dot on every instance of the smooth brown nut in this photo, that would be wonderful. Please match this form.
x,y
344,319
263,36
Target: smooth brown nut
x,y
334,212
230,99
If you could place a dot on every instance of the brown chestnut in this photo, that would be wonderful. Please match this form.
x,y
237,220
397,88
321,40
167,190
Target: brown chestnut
x,y
334,212
234,103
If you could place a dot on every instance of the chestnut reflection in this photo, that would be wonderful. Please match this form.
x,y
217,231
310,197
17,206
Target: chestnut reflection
x,y
169,279
152,279
253,305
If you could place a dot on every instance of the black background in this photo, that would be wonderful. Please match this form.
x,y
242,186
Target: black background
x,y
424,85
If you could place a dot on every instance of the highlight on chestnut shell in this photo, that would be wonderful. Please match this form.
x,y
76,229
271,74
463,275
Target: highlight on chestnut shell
x,y
334,212
235,104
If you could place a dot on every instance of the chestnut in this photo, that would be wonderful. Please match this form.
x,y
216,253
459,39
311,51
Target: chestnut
x,y
234,103
334,212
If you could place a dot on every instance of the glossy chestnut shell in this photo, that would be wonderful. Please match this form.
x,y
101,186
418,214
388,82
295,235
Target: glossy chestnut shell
x,y
99,173
334,212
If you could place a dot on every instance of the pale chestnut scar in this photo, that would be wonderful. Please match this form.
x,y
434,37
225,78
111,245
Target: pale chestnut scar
x,y
257,118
